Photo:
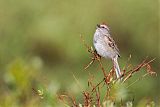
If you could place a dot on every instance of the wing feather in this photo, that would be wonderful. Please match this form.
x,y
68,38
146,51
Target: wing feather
x,y
111,43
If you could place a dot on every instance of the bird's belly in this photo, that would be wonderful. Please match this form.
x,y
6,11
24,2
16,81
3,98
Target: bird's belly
x,y
104,50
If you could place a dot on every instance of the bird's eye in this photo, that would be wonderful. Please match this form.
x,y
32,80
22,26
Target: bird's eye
x,y
103,27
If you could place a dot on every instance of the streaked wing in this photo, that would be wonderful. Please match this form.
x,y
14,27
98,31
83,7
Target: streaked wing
x,y
111,43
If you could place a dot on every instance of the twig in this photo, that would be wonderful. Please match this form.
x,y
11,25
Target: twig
x,y
140,78
132,71
77,82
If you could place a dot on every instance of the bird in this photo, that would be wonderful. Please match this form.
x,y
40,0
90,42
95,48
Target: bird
x,y
105,46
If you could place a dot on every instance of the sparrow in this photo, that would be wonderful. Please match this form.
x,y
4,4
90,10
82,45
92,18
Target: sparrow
x,y
105,46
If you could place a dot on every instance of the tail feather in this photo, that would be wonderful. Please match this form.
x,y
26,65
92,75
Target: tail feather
x,y
116,67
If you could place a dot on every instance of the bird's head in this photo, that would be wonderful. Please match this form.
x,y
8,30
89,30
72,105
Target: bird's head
x,y
102,27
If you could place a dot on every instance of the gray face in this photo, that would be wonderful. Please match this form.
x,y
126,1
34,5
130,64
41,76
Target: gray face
x,y
103,28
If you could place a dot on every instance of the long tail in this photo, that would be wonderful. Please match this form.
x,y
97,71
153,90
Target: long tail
x,y
116,67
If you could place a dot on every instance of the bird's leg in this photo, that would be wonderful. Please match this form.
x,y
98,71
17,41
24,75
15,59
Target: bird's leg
x,y
96,55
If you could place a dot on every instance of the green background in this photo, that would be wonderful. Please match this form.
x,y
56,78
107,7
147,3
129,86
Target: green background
x,y
40,46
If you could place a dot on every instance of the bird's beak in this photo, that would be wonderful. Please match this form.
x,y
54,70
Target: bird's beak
x,y
98,26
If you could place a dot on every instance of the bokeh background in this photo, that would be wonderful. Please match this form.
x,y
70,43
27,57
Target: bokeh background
x,y
40,47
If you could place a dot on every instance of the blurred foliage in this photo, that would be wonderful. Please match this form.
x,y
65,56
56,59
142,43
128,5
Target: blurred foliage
x,y
40,46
